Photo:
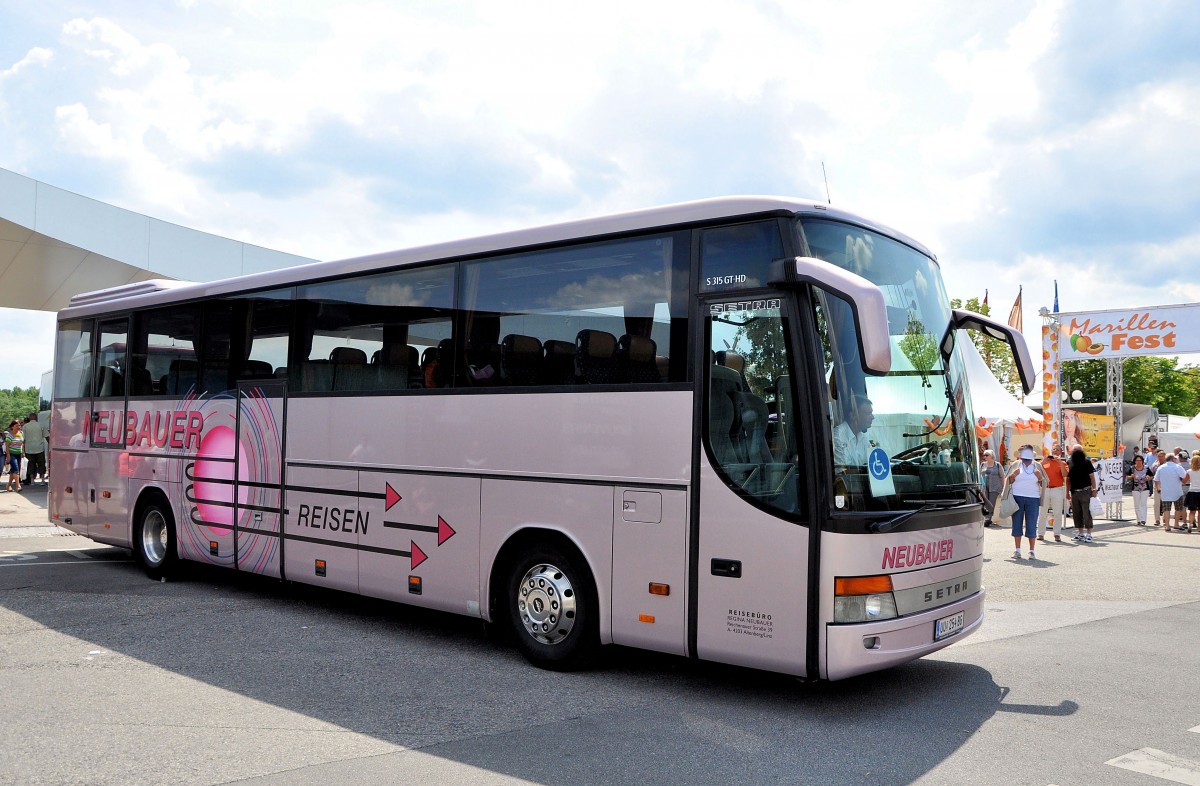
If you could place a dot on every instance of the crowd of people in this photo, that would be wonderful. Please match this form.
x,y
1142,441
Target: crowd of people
x,y
1038,496
1172,480
25,452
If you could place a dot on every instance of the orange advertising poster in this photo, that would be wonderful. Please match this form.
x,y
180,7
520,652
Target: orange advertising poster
x,y
1095,432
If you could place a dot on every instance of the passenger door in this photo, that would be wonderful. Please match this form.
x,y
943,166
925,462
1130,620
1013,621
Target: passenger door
x,y
108,518
753,543
258,476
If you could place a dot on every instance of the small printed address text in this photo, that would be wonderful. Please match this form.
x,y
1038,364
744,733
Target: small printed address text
x,y
750,623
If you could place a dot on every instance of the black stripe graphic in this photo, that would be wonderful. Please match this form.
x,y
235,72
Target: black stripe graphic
x,y
337,492
414,527
254,531
340,544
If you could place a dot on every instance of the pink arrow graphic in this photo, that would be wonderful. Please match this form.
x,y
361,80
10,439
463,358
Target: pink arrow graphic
x,y
392,496
417,556
445,531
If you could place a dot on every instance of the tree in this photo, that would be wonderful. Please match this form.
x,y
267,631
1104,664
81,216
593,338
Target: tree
x,y
764,348
16,403
996,353
1157,381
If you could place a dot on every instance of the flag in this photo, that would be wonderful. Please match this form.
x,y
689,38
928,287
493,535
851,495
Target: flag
x,y
985,305
1014,316
1056,296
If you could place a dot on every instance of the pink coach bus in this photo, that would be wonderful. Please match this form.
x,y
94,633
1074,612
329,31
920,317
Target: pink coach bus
x,y
736,430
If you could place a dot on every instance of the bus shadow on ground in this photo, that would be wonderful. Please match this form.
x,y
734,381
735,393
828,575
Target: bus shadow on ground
x,y
435,682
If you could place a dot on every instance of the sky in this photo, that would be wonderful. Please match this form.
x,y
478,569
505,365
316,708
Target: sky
x,y
1023,142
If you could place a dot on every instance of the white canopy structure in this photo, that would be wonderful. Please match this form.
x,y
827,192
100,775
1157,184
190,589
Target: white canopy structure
x,y
989,399
55,244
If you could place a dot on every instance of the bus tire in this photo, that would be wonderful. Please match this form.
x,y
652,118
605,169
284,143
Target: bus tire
x,y
552,608
154,540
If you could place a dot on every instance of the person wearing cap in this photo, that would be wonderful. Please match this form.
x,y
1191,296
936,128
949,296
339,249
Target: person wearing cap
x,y
1028,482
1081,477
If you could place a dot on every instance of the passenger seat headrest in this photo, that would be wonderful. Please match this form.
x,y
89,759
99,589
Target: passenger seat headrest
x,y
732,360
348,355
523,345
596,343
640,349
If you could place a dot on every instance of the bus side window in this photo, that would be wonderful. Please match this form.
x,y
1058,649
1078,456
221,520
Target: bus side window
x,y
268,337
162,339
112,361
73,359
366,333
574,302
750,406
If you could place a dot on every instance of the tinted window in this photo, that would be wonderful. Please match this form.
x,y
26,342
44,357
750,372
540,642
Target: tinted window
x,y
73,359
164,354
371,332
246,337
268,337
603,313
751,424
112,367
739,256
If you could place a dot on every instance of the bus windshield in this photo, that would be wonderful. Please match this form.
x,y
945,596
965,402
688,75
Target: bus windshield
x,y
919,413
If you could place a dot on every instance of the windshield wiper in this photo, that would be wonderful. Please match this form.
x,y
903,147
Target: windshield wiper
x,y
896,521
926,506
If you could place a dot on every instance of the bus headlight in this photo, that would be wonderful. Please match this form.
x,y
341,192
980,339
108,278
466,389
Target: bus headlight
x,y
864,599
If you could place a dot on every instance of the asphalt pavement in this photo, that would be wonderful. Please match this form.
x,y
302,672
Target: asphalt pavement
x,y
1081,674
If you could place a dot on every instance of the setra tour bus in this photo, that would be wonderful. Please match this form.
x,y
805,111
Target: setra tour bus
x,y
735,429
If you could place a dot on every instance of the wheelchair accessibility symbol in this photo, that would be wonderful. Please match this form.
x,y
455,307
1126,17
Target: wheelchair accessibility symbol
x,y
879,467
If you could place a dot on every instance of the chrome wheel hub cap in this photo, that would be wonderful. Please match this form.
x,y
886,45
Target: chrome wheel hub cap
x,y
546,603
154,538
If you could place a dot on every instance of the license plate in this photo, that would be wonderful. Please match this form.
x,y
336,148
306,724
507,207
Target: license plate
x,y
948,626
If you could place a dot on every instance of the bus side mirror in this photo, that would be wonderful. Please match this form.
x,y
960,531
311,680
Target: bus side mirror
x,y
864,298
969,320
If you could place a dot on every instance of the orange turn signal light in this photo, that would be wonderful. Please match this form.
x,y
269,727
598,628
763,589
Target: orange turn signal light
x,y
862,585
659,589
646,618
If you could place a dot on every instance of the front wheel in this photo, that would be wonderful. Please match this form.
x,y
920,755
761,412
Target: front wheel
x,y
552,609
154,541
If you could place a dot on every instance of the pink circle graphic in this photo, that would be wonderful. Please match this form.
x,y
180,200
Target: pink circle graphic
x,y
214,463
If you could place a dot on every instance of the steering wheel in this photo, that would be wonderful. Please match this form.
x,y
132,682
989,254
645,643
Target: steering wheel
x,y
919,454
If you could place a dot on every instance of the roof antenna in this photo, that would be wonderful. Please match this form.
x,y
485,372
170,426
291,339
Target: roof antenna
x,y
827,199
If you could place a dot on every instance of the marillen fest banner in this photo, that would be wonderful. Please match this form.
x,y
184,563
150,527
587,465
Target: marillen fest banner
x,y
1156,330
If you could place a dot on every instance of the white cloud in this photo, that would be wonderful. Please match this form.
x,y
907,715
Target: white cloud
x,y
995,134
35,57
27,338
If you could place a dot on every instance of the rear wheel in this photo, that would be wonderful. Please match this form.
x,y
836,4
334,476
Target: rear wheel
x,y
154,541
552,609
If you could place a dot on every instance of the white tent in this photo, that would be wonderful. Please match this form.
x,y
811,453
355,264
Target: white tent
x,y
1185,436
989,399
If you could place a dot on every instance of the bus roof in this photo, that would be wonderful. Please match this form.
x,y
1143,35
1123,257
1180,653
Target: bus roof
x,y
160,291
